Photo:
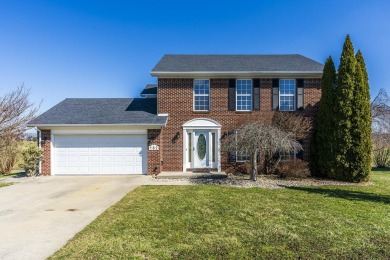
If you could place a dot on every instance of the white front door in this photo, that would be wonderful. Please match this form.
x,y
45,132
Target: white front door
x,y
201,149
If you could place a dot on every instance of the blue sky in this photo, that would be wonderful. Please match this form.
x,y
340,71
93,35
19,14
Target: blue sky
x,y
79,48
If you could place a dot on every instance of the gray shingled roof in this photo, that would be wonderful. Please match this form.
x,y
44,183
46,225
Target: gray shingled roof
x,y
236,63
80,111
150,89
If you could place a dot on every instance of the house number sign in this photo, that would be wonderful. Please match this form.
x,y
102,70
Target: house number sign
x,y
154,147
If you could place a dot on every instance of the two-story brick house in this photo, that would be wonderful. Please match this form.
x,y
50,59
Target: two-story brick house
x,y
179,123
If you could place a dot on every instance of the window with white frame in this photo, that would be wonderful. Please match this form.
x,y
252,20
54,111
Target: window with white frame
x,y
244,95
241,156
201,95
287,95
287,156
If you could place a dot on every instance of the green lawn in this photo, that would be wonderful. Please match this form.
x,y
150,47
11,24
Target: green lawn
x,y
13,172
2,184
201,221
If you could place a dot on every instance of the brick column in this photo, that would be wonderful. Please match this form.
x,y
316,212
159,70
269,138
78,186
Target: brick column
x,y
46,147
154,156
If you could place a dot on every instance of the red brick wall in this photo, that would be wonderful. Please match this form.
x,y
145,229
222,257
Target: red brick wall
x,y
175,97
154,156
46,147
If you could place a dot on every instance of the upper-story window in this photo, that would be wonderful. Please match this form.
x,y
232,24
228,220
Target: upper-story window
x,y
201,95
287,95
244,95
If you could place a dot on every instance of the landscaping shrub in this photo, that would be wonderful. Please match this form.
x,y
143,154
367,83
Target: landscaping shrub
x,y
31,156
293,169
239,168
9,150
381,158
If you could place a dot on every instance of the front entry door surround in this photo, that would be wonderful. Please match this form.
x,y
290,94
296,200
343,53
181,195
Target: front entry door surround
x,y
201,144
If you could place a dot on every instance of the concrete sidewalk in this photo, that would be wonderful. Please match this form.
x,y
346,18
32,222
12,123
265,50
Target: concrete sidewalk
x,y
39,215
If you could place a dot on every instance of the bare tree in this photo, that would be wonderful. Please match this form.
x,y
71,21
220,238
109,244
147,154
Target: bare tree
x,y
380,111
292,123
256,138
16,111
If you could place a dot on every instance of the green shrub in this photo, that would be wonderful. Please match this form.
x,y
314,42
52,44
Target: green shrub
x,y
31,156
381,158
9,150
293,169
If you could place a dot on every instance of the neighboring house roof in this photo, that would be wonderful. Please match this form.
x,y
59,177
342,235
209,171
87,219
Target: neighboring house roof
x,y
102,111
236,64
149,90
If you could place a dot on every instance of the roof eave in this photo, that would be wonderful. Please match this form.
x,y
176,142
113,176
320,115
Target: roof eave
x,y
224,74
83,125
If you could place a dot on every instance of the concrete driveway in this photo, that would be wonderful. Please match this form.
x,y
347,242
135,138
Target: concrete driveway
x,y
39,215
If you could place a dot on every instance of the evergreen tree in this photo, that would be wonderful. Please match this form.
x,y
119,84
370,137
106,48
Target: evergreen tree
x,y
343,113
324,136
360,153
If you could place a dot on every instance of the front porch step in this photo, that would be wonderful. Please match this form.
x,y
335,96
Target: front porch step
x,y
191,175
202,170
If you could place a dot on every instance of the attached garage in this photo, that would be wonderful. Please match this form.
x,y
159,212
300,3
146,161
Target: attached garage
x,y
92,136
99,154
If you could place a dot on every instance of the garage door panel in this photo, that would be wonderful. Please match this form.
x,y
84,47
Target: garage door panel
x,y
94,158
100,154
118,158
72,158
84,158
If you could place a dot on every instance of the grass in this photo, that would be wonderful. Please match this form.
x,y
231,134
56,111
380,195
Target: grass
x,y
13,173
2,184
200,221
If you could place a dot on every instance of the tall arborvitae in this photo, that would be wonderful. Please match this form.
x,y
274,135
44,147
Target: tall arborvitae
x,y
360,153
343,112
322,160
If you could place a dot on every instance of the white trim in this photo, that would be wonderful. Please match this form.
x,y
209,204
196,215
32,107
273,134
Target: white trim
x,y
289,95
222,74
207,125
199,95
149,95
201,123
65,125
163,115
235,72
245,95
52,157
185,142
99,131
53,140
218,137
39,134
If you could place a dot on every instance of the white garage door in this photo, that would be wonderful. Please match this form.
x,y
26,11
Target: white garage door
x,y
100,154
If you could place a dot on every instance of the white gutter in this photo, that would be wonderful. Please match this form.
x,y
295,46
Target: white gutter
x,y
54,125
149,95
237,73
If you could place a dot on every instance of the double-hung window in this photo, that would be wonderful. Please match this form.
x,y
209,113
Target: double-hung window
x,y
241,156
244,95
287,95
284,156
201,95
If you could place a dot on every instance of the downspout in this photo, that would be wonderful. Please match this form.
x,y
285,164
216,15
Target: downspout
x,y
39,146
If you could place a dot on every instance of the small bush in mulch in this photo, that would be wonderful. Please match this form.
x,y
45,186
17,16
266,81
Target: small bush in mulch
x,y
295,169
238,168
